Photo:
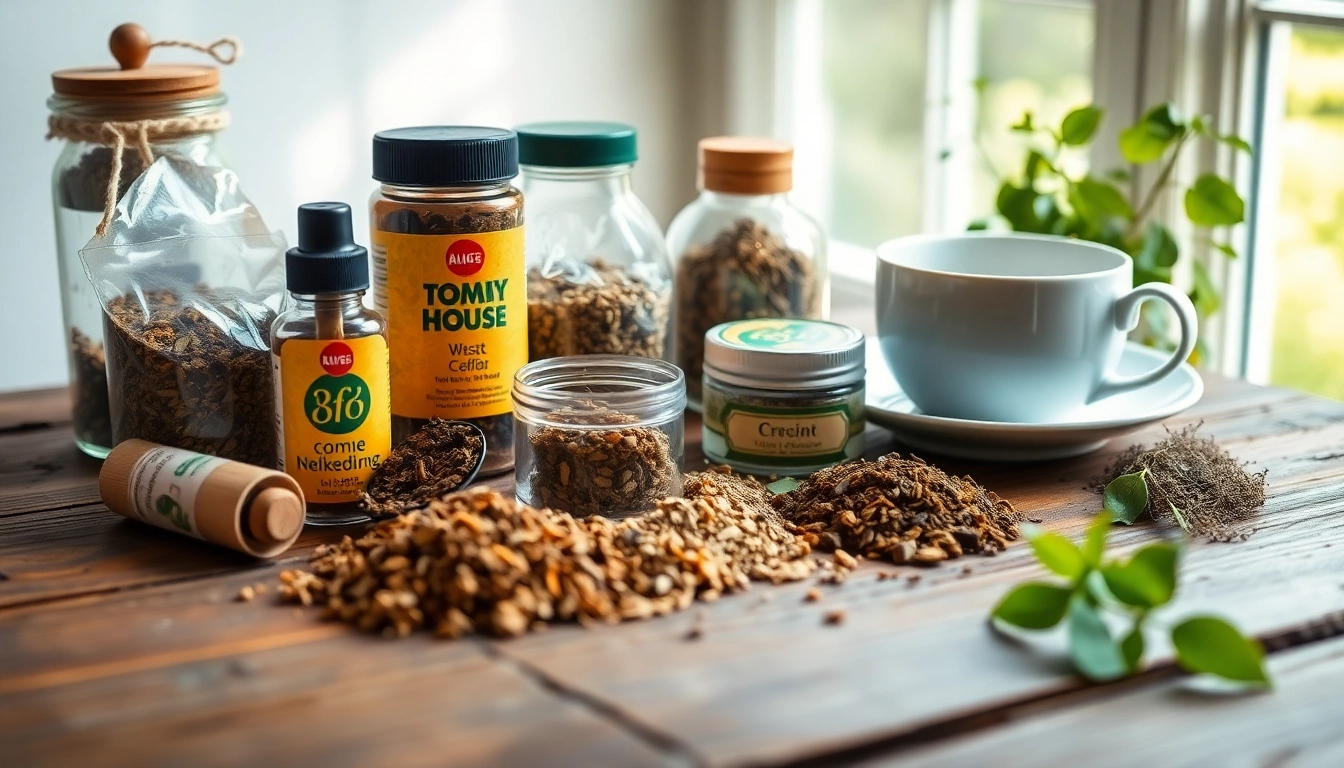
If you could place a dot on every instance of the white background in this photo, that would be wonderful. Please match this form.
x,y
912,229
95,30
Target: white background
x,y
318,77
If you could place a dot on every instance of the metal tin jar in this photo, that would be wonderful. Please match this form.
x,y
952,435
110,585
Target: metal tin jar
x,y
783,396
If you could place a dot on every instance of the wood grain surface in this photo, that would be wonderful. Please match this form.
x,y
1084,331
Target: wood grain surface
x,y
125,642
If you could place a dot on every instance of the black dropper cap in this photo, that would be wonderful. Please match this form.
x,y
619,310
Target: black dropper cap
x,y
326,259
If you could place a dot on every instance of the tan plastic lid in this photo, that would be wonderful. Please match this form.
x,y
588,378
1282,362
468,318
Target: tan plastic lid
x,y
745,165
132,80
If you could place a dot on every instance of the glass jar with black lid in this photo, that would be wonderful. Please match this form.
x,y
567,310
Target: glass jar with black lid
x,y
446,228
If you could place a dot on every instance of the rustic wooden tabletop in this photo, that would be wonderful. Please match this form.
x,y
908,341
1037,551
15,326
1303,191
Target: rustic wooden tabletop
x,y
123,644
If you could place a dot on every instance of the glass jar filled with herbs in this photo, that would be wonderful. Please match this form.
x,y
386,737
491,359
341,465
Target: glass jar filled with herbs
x,y
742,250
113,122
448,274
598,277
599,434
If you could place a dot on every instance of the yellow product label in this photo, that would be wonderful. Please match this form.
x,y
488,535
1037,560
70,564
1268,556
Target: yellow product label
x,y
334,423
456,307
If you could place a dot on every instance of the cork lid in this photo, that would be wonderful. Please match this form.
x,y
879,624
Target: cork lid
x,y
132,79
745,165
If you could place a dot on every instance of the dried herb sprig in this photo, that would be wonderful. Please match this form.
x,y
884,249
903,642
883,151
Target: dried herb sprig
x,y
1188,481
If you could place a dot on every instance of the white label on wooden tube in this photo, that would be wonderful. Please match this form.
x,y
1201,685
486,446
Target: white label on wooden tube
x,y
164,484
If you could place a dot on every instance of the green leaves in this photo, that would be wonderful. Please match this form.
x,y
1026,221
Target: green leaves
x,y
1033,605
1148,139
1095,655
1059,555
1098,199
1209,645
1079,125
1212,202
1126,497
1109,207
1148,580
1099,595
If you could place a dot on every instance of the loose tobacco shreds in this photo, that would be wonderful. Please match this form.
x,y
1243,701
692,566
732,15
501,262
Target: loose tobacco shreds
x,y
478,562
1196,485
899,509
436,459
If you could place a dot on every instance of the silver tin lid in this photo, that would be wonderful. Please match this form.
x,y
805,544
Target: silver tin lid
x,y
784,354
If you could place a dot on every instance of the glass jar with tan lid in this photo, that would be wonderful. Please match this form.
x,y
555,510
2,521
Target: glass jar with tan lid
x,y
113,122
783,396
742,249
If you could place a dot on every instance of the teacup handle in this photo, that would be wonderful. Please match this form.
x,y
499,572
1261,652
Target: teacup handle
x,y
1127,318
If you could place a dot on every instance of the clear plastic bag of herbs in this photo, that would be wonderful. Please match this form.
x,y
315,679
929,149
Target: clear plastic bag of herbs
x,y
190,279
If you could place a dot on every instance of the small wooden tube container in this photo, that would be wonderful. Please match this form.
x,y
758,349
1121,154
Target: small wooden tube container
x,y
251,509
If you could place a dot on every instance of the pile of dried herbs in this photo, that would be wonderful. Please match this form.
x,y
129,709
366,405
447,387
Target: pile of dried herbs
x,y
607,312
745,272
1193,483
92,418
436,459
194,375
476,562
599,467
899,509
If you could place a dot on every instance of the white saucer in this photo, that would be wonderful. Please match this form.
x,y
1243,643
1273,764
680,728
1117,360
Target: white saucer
x,y
1089,429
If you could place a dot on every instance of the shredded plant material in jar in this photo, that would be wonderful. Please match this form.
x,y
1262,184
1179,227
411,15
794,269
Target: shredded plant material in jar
x,y
745,272
592,470
436,459
607,312
92,415
193,380
1195,484
899,509
477,562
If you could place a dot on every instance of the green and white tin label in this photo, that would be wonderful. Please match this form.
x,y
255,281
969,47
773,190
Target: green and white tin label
x,y
782,335
164,484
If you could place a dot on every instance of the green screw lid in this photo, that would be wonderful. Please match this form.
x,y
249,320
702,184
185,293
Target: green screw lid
x,y
576,144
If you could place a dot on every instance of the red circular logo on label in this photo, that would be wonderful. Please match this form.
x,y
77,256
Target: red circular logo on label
x,y
465,257
337,358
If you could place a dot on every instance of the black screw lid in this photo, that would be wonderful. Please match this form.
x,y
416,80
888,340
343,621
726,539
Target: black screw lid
x,y
445,156
326,259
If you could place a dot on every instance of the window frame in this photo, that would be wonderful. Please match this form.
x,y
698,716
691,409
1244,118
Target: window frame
x,y
1212,57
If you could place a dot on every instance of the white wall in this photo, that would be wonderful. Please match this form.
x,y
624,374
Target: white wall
x,y
318,77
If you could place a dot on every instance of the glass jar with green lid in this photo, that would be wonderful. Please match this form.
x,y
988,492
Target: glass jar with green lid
x,y
783,396
599,280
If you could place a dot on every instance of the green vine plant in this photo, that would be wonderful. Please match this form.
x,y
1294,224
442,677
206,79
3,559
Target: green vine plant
x,y
1095,596
1046,199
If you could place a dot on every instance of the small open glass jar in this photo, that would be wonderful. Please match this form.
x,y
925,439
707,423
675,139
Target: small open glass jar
x,y
599,434
783,397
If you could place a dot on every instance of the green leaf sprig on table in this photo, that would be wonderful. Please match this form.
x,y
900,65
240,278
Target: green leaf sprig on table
x,y
1047,199
1128,592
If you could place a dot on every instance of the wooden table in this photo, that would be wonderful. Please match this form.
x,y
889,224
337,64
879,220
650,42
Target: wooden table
x,y
123,644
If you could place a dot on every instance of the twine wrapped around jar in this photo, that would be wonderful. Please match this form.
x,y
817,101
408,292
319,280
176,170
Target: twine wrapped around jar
x,y
130,45
144,133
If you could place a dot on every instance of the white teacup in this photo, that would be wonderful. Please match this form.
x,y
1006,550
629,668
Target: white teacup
x,y
1013,328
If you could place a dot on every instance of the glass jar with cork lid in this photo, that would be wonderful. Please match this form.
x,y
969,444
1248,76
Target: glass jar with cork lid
x,y
113,122
742,249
